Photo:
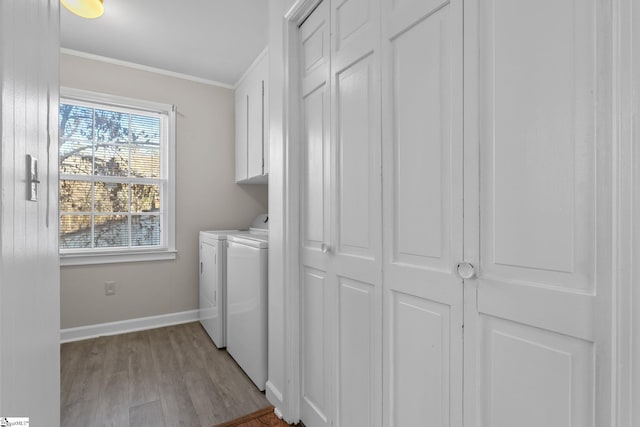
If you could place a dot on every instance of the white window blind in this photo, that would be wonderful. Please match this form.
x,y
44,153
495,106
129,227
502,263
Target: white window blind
x,y
115,177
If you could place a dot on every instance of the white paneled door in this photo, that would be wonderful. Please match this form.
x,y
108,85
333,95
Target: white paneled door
x,y
423,212
318,281
456,213
523,195
538,321
341,216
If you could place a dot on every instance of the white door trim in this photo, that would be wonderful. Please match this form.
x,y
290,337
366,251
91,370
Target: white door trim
x,y
292,136
626,104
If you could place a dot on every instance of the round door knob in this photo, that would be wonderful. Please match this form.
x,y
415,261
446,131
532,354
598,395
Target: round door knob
x,y
325,248
466,270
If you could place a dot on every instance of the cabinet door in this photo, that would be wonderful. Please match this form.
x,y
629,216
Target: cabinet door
x,y
255,123
538,318
265,117
423,212
242,117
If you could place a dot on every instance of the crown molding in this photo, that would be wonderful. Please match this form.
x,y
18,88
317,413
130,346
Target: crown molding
x,y
141,67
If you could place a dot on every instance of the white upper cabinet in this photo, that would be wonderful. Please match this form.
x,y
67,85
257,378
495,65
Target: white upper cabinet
x,y
252,118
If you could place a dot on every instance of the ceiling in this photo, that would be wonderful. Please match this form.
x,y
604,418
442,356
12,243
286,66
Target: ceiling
x,y
214,40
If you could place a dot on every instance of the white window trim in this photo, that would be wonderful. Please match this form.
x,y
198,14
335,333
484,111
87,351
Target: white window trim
x,y
168,167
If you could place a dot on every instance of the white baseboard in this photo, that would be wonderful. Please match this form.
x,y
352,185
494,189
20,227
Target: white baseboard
x,y
274,396
124,326
277,412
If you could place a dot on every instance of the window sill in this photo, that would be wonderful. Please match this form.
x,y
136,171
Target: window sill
x,y
116,257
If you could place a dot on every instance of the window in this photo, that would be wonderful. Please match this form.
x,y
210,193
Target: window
x,y
116,189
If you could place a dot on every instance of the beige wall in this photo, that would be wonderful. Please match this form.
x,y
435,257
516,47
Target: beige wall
x,y
206,196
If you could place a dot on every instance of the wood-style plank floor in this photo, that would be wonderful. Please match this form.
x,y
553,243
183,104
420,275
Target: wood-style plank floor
x,y
261,418
170,377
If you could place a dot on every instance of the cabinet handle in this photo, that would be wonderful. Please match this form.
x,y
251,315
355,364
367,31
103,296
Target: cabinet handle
x,y
200,267
325,248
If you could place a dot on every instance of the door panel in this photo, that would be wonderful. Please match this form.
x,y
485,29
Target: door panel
x,y
421,149
315,145
539,140
356,191
357,363
315,346
341,205
351,16
420,361
422,174
357,175
537,323
317,278
526,369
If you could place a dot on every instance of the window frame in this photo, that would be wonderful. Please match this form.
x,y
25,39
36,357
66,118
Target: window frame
x,y
167,249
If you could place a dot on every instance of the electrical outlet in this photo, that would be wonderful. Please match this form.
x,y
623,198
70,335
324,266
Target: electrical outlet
x,y
109,288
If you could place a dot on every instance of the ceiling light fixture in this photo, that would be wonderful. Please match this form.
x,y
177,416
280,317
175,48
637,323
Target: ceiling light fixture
x,y
85,8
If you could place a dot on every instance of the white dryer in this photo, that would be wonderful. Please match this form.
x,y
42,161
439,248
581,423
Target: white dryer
x,y
247,280
213,277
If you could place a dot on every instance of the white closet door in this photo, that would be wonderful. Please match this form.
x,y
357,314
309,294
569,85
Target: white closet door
x,y
317,281
536,338
341,253
422,152
356,210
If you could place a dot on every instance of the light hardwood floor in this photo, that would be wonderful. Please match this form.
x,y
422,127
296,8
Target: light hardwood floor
x,y
170,377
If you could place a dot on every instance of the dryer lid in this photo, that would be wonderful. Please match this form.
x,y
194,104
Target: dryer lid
x,y
260,223
249,240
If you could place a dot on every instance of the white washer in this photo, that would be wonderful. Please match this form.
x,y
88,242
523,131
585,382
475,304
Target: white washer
x,y
247,304
213,277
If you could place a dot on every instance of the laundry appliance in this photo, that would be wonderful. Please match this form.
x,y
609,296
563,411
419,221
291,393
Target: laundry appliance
x,y
247,279
213,277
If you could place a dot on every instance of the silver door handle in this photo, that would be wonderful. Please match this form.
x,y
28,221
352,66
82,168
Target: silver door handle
x,y
325,248
466,270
